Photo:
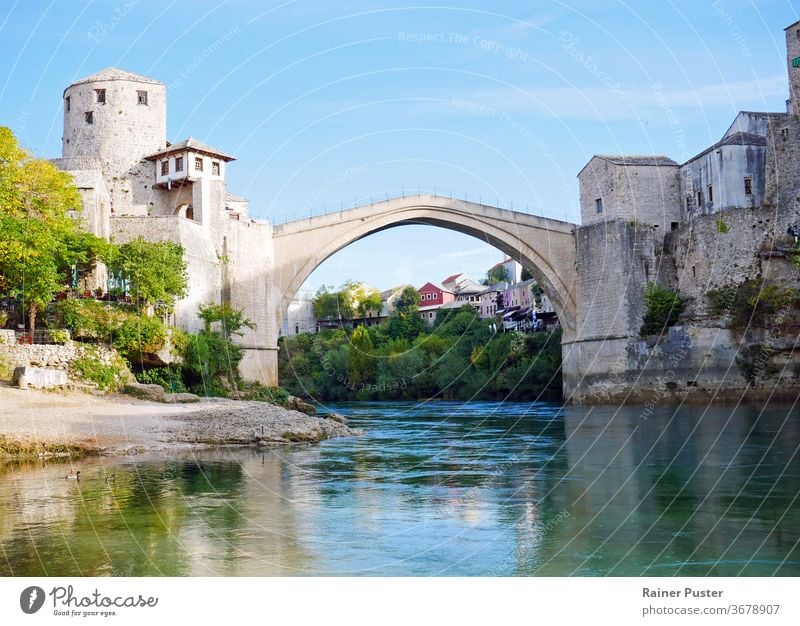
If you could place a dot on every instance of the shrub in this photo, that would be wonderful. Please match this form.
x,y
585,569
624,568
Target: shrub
x,y
721,299
753,303
662,309
722,227
107,376
262,393
139,334
59,336
169,378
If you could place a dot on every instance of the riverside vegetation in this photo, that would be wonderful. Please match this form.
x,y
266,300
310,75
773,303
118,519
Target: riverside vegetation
x,y
460,358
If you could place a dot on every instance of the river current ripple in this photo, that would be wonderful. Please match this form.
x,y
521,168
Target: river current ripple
x,y
431,489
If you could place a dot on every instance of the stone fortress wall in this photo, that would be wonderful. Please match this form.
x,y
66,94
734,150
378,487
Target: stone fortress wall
x,y
734,232
114,133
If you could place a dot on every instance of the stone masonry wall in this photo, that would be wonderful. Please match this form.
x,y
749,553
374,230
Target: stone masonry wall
x,y
202,259
645,193
53,356
703,257
615,260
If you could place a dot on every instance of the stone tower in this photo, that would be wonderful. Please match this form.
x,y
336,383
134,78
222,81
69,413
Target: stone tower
x,y
793,65
112,119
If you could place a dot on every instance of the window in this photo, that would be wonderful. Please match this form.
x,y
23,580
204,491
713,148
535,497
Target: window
x,y
66,103
198,164
710,193
88,117
179,164
598,205
688,204
141,97
214,168
699,199
165,167
748,185
100,96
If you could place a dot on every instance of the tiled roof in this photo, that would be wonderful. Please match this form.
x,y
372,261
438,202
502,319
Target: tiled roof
x,y
190,144
735,139
114,73
450,279
636,159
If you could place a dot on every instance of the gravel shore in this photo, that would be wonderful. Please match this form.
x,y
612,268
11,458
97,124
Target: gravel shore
x,y
119,424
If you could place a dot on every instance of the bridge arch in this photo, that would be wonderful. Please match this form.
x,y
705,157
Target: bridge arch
x,y
546,247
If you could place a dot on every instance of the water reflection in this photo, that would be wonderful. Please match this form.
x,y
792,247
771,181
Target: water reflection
x,y
443,488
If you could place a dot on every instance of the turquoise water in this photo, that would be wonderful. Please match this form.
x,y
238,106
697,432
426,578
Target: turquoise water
x,y
489,489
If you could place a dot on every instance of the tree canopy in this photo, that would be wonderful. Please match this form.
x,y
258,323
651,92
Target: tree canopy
x,y
407,302
40,234
156,270
353,300
497,274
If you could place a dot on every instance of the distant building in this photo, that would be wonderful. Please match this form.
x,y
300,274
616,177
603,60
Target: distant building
x,y
299,317
513,270
433,296
488,300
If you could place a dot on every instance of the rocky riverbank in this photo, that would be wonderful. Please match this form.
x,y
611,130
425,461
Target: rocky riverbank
x,y
52,423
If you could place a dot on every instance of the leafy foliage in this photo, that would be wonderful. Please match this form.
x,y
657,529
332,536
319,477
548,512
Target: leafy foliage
x,y
754,303
39,239
107,376
497,274
156,270
119,325
352,300
231,320
662,309
407,303
170,378
461,358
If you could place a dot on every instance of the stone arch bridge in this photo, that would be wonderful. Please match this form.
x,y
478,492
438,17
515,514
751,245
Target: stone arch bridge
x,y
546,247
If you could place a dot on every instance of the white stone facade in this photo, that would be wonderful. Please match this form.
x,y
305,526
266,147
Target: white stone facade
x,y
115,145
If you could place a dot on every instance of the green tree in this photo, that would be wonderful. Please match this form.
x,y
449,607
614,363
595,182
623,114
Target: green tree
x,y
497,274
331,305
361,298
361,367
39,238
231,320
156,270
407,302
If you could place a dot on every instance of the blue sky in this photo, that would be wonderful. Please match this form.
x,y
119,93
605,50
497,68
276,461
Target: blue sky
x,y
323,102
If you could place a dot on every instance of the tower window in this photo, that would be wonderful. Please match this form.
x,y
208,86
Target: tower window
x,y
165,167
141,97
710,193
215,168
688,204
88,117
179,164
100,96
198,164
598,205
700,199
748,185
66,103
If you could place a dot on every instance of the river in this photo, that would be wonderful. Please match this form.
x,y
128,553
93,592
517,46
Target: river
x,y
438,488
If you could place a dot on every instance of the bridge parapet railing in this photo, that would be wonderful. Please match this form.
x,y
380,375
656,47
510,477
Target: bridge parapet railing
x,y
410,192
